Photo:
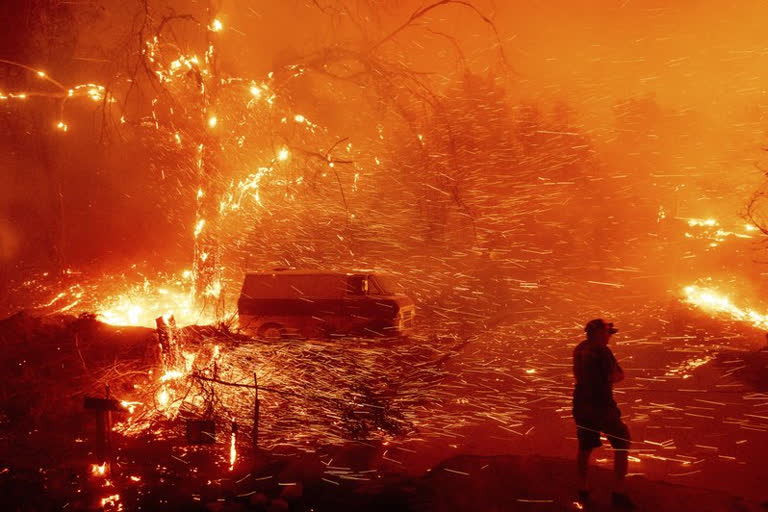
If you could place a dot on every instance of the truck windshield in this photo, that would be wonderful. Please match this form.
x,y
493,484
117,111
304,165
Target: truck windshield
x,y
386,285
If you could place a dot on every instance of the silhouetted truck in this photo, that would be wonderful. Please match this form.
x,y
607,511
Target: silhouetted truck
x,y
310,304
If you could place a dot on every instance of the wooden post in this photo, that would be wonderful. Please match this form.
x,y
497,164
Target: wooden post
x,y
256,414
103,408
108,432
101,441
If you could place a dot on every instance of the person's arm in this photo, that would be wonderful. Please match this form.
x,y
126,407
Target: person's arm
x,y
616,374
576,363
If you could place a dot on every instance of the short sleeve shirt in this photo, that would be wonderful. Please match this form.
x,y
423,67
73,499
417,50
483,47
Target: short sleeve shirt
x,y
593,365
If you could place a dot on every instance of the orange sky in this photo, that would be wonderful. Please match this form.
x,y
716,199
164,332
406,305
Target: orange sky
x,y
706,54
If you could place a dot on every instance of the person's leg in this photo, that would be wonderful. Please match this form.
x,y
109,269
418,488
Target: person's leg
x,y
620,441
620,464
589,439
582,464
618,433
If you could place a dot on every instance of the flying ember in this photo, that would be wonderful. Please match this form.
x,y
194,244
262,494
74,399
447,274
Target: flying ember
x,y
336,254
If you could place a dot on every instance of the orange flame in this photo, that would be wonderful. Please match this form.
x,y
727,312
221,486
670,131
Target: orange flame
x,y
110,501
232,452
216,25
712,301
99,469
145,302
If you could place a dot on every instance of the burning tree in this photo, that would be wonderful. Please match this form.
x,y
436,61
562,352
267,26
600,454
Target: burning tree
x,y
239,165
236,163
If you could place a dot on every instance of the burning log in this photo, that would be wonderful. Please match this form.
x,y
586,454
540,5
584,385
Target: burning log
x,y
166,336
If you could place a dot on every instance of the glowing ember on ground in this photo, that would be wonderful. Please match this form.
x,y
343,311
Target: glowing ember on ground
x,y
99,469
111,501
171,375
702,222
130,406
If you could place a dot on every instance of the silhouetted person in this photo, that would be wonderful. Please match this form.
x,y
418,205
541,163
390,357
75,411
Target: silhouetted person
x,y
594,409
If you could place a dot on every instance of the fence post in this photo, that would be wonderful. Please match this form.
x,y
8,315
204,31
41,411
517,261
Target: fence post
x,y
108,433
103,408
256,414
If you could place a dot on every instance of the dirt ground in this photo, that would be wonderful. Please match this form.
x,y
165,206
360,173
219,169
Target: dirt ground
x,y
475,423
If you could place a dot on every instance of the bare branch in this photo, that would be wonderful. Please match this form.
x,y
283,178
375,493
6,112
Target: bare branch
x,y
751,211
35,71
425,10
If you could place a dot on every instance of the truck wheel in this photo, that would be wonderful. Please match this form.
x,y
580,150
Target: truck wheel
x,y
270,332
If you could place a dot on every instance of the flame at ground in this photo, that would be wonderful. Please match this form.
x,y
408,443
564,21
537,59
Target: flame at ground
x,y
232,452
99,469
163,397
712,301
709,229
142,304
111,501
122,300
